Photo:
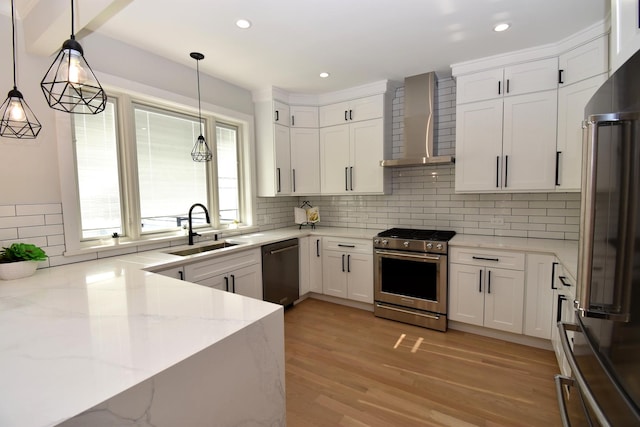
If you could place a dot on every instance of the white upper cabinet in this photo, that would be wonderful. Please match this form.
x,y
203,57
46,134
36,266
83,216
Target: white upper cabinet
x,y
583,62
281,113
625,31
519,115
582,71
508,143
367,108
305,160
304,116
518,79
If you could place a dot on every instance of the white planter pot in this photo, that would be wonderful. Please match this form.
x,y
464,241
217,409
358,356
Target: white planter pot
x,y
17,270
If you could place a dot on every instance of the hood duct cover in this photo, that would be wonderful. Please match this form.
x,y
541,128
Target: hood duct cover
x,y
419,94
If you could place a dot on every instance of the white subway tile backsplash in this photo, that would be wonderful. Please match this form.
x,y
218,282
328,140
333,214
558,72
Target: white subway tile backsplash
x,y
7,210
39,209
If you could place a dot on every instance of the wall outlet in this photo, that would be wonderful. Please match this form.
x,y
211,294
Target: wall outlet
x,y
497,220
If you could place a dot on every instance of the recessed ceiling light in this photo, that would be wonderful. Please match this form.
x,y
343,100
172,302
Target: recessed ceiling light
x,y
324,75
243,23
501,27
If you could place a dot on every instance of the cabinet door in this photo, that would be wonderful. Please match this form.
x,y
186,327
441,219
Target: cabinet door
x,y
466,294
333,114
220,282
303,264
529,142
504,300
334,159
478,146
283,160
571,102
360,277
529,77
371,107
176,272
367,149
304,117
280,113
315,265
247,281
334,273
587,60
479,86
305,160
538,315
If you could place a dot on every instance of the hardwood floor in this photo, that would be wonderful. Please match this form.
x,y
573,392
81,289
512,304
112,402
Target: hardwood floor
x,y
345,367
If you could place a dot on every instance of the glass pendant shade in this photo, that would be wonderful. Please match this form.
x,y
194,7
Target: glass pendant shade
x,y
18,121
201,151
70,85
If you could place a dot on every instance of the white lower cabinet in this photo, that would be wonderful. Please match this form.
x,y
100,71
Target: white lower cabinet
x,y
562,311
483,293
310,256
175,272
240,273
538,314
347,269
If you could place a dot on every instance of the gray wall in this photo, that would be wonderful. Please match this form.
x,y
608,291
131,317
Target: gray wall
x,y
424,197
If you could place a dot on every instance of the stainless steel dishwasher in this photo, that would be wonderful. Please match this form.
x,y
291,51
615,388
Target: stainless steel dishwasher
x,y
280,277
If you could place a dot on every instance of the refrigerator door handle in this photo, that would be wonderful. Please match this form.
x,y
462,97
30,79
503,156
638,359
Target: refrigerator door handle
x,y
618,309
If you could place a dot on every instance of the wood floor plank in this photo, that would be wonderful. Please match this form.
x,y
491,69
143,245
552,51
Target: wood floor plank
x,y
345,367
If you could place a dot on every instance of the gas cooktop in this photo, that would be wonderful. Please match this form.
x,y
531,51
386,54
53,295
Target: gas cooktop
x,y
417,234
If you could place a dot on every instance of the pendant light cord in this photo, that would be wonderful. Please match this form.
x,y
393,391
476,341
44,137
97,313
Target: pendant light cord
x,y
13,40
73,31
199,109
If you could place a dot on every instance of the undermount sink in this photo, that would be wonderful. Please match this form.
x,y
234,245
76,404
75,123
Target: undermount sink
x,y
206,248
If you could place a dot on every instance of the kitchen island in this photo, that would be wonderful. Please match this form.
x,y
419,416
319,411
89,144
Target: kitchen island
x,y
106,343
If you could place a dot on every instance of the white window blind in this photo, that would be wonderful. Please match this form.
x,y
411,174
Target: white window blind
x,y
96,153
169,180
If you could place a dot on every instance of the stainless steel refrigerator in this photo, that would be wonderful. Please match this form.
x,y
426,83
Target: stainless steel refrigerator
x,y
604,351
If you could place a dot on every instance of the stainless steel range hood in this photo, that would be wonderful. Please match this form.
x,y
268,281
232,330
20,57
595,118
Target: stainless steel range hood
x,y
419,94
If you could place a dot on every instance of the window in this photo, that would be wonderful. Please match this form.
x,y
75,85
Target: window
x,y
96,153
169,180
141,180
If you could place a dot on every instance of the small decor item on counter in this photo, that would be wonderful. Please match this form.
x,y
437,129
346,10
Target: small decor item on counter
x,y
20,260
306,215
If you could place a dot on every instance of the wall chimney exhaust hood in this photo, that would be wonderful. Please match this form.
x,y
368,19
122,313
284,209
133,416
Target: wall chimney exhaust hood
x,y
419,94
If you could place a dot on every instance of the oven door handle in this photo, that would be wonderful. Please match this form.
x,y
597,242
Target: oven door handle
x,y
409,255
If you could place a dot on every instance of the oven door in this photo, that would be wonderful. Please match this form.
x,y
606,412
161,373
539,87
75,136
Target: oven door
x,y
411,279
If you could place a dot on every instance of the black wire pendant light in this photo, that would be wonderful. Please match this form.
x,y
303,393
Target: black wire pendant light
x,y
18,121
70,85
201,151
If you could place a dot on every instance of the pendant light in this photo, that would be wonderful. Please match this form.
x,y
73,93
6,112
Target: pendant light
x,y
70,85
201,151
18,121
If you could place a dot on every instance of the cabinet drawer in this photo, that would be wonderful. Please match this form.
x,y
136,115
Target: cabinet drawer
x,y
199,271
347,245
487,258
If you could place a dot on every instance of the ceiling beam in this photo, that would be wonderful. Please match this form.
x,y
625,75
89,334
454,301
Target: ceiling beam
x,y
47,23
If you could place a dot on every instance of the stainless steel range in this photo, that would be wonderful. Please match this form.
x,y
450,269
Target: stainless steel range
x,y
410,276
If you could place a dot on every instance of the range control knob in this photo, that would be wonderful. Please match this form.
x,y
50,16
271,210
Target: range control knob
x,y
439,246
429,245
385,242
406,244
376,241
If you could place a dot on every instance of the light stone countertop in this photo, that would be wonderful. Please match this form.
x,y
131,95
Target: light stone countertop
x,y
76,335
565,250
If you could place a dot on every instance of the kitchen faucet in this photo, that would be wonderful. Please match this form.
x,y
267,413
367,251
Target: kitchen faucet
x,y
206,213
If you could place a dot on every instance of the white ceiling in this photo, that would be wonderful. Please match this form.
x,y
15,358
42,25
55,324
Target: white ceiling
x,y
357,41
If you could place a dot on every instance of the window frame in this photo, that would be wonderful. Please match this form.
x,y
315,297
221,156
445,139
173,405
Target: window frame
x,y
125,99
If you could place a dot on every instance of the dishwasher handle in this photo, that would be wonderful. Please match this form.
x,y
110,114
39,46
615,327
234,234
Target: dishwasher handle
x,y
288,248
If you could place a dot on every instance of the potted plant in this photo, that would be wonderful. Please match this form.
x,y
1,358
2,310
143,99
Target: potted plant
x,y
20,260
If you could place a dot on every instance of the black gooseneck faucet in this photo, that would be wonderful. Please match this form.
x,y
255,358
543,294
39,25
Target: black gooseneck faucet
x,y
206,213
